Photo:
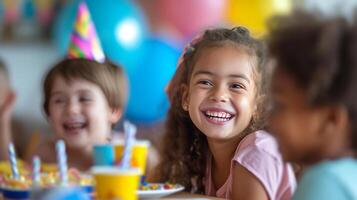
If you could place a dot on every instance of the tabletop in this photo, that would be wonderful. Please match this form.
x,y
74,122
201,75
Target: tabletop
x,y
186,195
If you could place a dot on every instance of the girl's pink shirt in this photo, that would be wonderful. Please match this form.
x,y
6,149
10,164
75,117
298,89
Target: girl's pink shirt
x,y
258,153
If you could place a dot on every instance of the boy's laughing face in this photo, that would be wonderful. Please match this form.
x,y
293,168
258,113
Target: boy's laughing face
x,y
79,112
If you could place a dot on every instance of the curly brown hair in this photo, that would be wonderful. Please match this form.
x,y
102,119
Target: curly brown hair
x,y
319,54
185,148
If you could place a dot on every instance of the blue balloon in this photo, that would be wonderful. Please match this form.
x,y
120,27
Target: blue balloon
x,y
119,23
148,102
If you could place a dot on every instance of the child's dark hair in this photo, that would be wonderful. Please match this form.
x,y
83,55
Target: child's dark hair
x,y
108,76
185,147
319,54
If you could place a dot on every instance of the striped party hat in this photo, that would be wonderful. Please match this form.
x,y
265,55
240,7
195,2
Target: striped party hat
x,y
84,40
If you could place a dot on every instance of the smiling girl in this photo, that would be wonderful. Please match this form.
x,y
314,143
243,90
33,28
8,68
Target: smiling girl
x,y
214,143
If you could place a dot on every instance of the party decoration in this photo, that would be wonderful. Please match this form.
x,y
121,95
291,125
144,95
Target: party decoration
x,y
84,41
12,10
148,102
130,132
254,13
191,17
28,9
13,161
36,168
44,11
120,26
62,162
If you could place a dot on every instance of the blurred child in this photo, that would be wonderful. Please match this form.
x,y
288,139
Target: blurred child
x,y
214,143
7,102
315,103
83,100
84,96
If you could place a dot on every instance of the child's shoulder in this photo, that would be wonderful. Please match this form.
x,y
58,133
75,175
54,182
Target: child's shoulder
x,y
260,141
329,180
259,154
343,170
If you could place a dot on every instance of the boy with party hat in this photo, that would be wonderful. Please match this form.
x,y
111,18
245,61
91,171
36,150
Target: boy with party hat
x,y
84,96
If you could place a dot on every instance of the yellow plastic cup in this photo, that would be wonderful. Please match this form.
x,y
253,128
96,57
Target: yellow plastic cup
x,y
116,183
139,153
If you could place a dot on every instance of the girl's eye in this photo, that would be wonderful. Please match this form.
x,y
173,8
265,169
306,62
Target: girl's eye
x,y
237,86
85,99
205,83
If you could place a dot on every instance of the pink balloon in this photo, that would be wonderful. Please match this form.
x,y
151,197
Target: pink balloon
x,y
192,16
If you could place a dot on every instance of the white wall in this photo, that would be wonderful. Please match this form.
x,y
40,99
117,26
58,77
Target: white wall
x,y
27,63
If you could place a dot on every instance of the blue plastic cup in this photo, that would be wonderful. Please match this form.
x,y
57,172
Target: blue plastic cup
x,y
103,155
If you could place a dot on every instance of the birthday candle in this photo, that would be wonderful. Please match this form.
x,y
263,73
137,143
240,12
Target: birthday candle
x,y
130,131
13,162
62,162
36,165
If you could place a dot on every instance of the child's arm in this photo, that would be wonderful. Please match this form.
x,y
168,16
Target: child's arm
x,y
5,123
246,185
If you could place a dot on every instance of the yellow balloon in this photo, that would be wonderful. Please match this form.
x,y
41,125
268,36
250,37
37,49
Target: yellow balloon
x,y
253,14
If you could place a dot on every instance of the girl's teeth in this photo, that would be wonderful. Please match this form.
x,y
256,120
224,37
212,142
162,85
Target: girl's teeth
x,y
223,115
219,119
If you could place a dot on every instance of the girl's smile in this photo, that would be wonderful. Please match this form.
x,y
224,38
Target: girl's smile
x,y
217,116
220,98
